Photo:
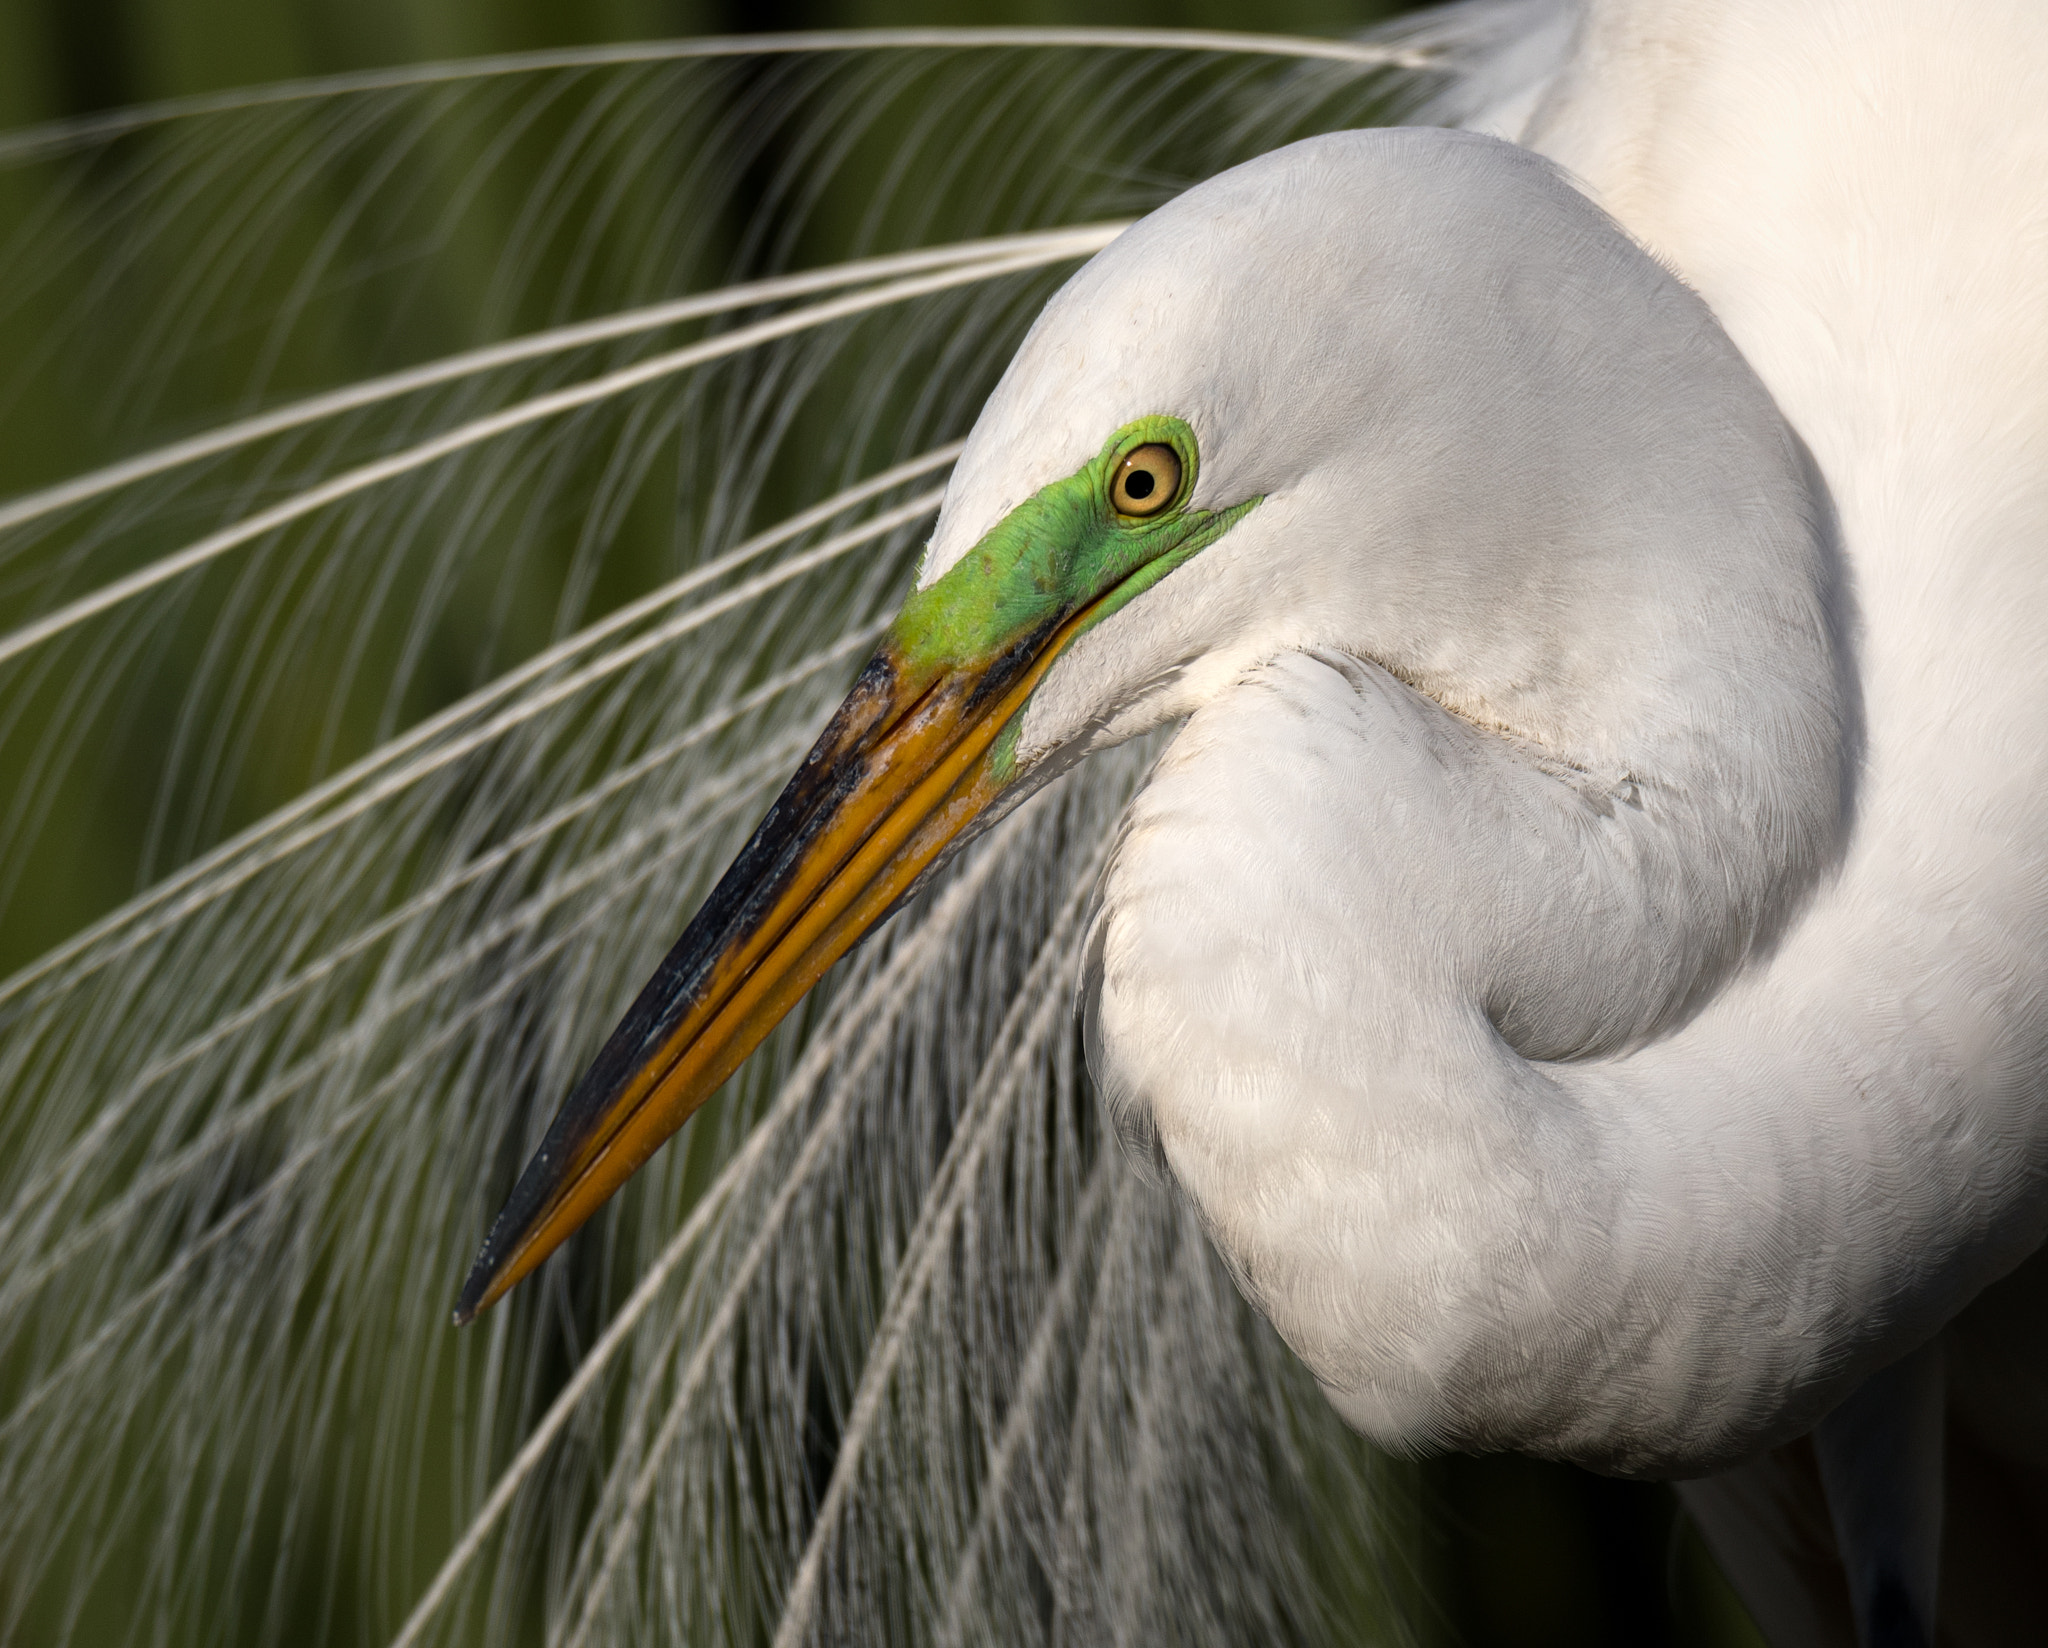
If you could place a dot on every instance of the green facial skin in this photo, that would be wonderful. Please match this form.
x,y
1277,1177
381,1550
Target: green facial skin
x,y
1062,549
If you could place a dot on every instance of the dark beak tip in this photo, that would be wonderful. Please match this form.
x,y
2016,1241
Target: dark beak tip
x,y
471,1300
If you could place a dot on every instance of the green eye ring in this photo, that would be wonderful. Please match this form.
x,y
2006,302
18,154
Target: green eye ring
x,y
1148,470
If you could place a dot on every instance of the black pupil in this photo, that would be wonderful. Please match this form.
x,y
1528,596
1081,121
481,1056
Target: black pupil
x,y
1139,483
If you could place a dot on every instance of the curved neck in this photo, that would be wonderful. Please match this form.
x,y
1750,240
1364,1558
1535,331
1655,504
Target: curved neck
x,y
1339,922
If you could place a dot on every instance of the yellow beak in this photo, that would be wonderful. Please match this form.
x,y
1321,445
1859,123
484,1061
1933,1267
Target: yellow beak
x,y
899,773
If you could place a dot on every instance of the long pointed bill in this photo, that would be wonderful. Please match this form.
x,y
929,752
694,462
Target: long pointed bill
x,y
912,758
897,775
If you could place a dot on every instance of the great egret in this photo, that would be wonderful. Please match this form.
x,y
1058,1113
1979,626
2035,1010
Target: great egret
x,y
1655,1066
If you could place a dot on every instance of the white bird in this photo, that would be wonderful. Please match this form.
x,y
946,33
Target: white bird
x,y
1580,953
1577,955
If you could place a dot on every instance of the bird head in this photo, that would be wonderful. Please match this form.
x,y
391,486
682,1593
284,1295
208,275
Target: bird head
x,y
1402,393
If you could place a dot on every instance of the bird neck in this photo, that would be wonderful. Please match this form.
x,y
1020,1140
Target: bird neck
x,y
1343,941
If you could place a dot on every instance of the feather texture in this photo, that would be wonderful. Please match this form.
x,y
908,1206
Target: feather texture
x,y
438,659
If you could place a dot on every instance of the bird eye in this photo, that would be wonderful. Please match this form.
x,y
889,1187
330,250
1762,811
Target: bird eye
x,y
1146,481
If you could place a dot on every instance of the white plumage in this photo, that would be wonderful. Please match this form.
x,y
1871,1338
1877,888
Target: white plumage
x,y
1578,959
1583,954
1506,459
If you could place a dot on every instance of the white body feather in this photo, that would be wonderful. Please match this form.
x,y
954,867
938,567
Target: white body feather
x,y
1687,1239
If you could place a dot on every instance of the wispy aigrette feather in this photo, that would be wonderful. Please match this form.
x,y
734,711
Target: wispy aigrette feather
x,y
457,699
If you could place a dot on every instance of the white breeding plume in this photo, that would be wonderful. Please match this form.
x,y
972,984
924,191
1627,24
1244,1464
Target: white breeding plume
x,y
1563,966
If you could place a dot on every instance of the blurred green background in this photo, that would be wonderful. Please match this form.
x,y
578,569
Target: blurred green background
x,y
68,57
1525,1553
